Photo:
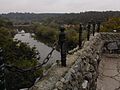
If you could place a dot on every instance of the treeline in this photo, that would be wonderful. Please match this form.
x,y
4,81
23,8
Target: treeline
x,y
61,18
49,34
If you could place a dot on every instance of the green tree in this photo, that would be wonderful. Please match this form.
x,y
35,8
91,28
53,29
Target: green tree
x,y
72,38
18,54
46,34
111,24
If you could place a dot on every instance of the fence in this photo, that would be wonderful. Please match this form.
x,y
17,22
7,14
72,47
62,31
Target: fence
x,y
3,66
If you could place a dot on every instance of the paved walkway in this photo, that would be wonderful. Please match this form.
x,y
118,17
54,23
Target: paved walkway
x,y
109,73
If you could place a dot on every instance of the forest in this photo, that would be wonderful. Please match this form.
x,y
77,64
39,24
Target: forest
x,y
61,18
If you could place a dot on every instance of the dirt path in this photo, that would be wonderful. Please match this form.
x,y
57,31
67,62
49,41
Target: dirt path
x,y
109,73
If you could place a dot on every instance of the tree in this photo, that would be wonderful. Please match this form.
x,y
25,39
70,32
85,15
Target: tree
x,y
72,38
17,54
112,24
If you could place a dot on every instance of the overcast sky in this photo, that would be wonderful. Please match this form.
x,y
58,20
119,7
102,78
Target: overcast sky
x,y
55,6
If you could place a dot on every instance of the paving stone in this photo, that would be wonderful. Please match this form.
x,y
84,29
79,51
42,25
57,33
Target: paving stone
x,y
110,78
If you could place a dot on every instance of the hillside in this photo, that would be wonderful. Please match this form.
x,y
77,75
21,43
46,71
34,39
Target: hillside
x,y
61,18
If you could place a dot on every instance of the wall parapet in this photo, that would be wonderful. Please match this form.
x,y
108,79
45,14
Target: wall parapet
x,y
81,72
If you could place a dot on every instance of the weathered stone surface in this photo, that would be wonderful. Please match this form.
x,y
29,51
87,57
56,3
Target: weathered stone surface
x,y
112,46
81,72
109,77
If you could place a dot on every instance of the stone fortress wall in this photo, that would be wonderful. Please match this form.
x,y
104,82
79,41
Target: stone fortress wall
x,y
81,72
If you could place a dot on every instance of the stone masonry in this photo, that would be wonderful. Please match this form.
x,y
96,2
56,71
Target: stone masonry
x,y
81,72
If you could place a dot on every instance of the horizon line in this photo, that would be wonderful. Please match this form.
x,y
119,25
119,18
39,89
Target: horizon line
x,y
60,12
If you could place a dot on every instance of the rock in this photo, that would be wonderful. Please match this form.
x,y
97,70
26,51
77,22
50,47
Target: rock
x,y
84,84
112,46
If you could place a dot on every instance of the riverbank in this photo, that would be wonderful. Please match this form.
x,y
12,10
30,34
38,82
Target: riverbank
x,y
40,47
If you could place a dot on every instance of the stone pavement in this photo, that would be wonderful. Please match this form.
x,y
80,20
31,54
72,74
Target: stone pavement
x,y
109,73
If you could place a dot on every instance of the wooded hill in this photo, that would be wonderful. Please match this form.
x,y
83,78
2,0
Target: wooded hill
x,y
61,18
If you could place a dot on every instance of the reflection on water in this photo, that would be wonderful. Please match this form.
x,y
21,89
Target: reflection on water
x,y
41,47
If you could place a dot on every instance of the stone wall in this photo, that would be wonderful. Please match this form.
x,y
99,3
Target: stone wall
x,y
81,72
112,43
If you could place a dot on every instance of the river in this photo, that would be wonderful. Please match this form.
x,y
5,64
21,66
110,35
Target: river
x,y
41,47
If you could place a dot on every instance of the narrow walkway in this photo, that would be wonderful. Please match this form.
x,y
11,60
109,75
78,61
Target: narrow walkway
x,y
54,74
109,73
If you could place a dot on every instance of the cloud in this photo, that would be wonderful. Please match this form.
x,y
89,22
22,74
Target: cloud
x,y
57,5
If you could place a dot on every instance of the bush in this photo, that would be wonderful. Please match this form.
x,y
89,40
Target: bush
x,y
111,24
46,34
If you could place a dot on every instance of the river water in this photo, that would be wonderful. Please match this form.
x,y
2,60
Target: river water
x,y
41,47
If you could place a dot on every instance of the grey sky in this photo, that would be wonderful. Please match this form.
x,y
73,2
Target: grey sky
x,y
54,6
